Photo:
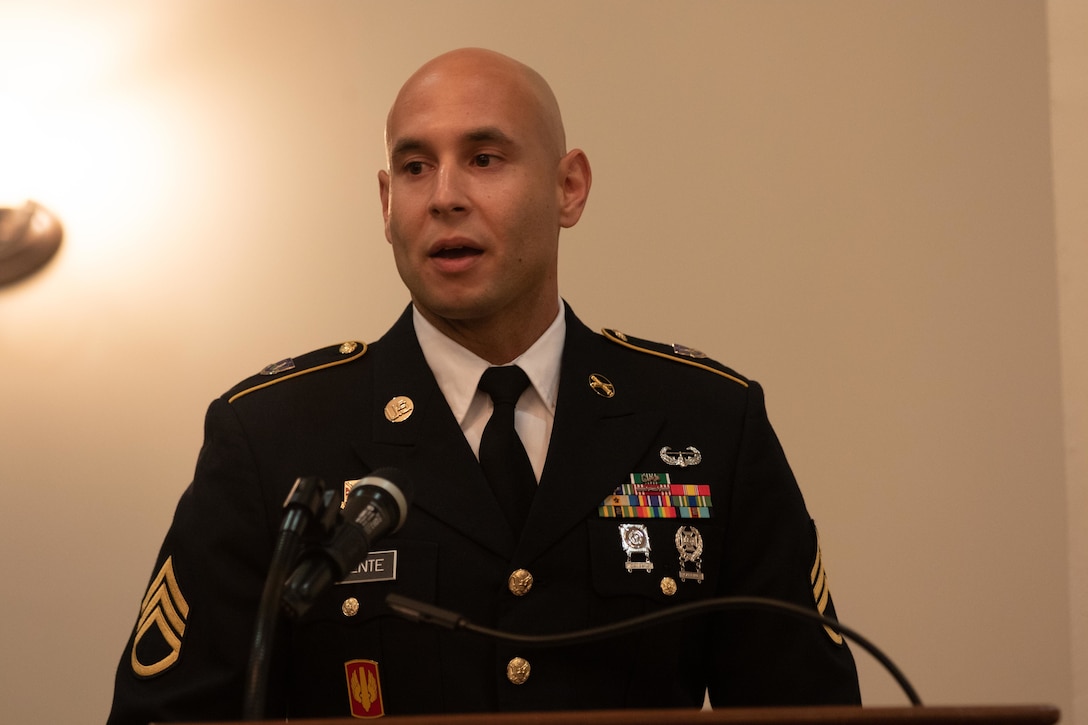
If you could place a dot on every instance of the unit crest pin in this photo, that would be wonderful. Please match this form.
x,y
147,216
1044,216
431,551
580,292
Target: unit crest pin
x,y
278,367
348,485
688,351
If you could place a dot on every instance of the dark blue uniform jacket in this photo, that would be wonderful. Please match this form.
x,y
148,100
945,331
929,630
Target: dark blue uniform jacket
x,y
673,418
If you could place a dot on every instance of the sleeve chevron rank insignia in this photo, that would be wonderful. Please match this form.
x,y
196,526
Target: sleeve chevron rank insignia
x,y
821,591
161,626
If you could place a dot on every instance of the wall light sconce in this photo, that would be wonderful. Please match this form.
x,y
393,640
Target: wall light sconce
x,y
29,237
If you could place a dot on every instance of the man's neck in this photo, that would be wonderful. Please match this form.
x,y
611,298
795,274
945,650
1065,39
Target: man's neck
x,y
498,340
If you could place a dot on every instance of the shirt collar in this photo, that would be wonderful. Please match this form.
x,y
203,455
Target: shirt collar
x,y
457,370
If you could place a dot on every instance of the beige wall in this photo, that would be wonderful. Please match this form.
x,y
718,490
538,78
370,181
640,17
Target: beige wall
x,y
852,201
1068,27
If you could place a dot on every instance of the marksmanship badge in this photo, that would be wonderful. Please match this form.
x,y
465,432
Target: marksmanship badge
x,y
636,540
689,544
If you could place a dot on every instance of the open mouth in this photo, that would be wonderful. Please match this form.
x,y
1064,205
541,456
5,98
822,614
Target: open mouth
x,y
457,253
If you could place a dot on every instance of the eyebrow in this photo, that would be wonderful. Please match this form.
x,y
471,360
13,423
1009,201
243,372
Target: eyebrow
x,y
488,133
411,144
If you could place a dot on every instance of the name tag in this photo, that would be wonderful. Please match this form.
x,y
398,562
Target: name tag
x,y
379,566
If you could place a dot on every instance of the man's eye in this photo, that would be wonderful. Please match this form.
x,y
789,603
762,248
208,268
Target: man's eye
x,y
414,167
482,159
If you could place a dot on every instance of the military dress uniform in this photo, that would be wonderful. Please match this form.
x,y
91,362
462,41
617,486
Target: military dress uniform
x,y
664,484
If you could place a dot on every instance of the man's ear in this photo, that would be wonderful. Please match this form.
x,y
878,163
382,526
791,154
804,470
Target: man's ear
x,y
575,178
383,192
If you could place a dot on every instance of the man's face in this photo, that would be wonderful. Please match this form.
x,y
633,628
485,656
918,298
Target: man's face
x,y
473,197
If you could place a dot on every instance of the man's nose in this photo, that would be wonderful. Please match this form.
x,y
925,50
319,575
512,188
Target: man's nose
x,y
449,193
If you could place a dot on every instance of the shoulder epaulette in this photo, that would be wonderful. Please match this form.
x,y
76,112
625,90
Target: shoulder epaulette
x,y
289,368
676,353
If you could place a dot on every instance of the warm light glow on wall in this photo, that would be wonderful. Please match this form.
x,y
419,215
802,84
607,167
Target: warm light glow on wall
x,y
52,62
79,131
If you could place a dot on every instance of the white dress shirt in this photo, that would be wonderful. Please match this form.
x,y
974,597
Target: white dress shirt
x,y
458,373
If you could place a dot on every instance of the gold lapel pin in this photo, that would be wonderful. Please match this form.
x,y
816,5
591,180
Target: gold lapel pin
x,y
601,385
399,409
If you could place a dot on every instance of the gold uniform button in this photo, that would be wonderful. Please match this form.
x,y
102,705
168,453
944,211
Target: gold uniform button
x,y
350,607
517,670
520,582
668,586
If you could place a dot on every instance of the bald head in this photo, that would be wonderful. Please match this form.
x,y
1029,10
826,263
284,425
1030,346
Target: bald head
x,y
485,72
478,185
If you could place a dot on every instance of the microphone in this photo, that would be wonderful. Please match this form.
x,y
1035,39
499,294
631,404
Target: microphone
x,y
377,506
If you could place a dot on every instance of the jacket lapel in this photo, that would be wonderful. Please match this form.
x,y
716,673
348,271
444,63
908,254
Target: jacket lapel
x,y
596,441
428,445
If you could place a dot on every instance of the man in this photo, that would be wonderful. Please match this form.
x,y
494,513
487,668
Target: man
x,y
658,478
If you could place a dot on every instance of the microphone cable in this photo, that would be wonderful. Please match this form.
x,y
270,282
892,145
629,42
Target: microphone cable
x,y
421,612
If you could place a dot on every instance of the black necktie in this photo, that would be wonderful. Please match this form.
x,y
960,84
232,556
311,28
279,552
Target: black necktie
x,y
502,455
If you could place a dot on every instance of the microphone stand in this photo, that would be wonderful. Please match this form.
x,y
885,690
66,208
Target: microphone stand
x,y
307,497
